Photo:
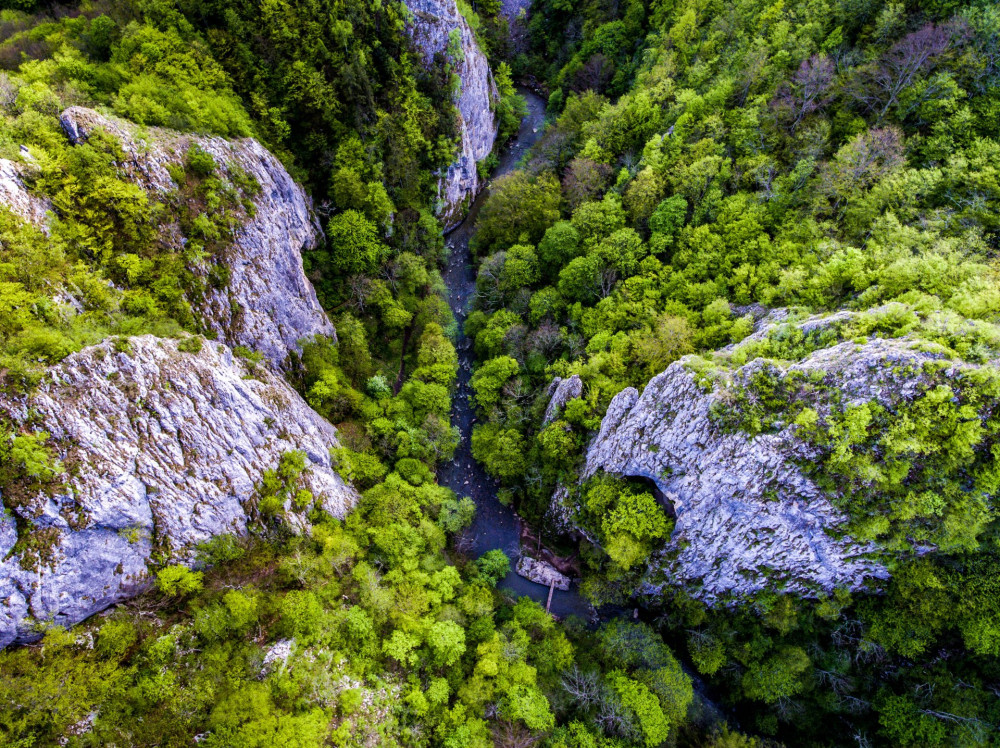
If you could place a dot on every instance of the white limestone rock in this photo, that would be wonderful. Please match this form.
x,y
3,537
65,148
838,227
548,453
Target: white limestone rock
x,y
276,656
15,197
431,26
269,304
747,516
561,391
514,9
540,572
163,450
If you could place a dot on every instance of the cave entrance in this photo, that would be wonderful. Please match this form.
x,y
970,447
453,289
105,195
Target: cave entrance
x,y
642,483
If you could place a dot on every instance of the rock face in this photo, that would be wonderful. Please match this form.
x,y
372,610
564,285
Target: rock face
x,y
561,391
516,13
746,513
434,23
514,9
540,572
269,305
15,196
163,449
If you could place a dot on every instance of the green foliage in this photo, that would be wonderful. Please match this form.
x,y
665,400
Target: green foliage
x,y
27,457
490,379
501,451
520,209
511,108
178,581
780,676
493,566
456,514
628,522
190,344
643,707
747,155
281,487
355,246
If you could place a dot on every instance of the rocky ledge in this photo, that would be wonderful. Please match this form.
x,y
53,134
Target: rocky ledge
x,y
162,449
540,572
433,23
748,516
15,197
269,305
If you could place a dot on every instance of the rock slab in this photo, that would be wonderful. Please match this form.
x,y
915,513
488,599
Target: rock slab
x,y
163,450
540,572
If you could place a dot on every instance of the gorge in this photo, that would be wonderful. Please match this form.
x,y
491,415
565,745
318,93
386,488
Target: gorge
x,y
432,373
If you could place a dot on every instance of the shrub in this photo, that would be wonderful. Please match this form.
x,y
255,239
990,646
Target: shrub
x,y
178,581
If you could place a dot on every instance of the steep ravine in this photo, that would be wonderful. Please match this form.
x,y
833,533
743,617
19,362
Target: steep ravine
x,y
495,525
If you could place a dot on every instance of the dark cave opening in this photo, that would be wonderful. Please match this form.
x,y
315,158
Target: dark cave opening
x,y
648,485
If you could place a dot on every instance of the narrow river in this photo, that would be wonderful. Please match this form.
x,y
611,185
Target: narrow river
x,y
495,525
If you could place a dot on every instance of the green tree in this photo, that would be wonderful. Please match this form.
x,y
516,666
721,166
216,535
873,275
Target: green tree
x,y
519,209
355,246
490,379
501,451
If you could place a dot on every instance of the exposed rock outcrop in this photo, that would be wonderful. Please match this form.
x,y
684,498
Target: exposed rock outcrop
x,y
516,13
163,449
268,305
747,514
15,196
514,9
561,391
434,22
540,572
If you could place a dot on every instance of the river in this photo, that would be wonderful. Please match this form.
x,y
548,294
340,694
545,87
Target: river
x,y
495,525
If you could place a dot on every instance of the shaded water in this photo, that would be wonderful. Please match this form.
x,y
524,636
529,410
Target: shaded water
x,y
495,525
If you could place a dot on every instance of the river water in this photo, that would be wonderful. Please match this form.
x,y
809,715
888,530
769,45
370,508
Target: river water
x,y
495,525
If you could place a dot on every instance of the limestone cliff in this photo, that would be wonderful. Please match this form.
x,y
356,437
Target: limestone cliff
x,y
748,514
268,305
162,449
17,199
434,25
